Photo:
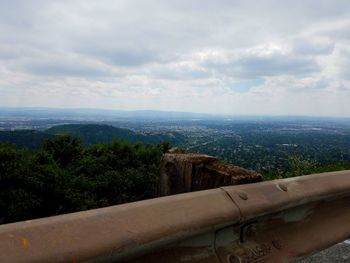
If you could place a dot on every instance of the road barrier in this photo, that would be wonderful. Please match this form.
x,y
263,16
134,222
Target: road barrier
x,y
273,221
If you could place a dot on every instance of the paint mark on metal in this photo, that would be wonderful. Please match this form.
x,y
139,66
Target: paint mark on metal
x,y
25,242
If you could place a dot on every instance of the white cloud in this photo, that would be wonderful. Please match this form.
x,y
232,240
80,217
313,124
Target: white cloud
x,y
239,57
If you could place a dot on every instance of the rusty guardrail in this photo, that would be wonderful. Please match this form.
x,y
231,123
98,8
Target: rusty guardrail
x,y
274,221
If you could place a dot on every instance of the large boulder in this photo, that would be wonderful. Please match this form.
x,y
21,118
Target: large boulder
x,y
182,172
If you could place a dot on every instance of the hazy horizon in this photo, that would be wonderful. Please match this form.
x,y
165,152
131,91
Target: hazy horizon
x,y
164,113
239,58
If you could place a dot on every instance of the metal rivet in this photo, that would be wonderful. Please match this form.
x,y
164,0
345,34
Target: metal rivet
x,y
242,195
283,187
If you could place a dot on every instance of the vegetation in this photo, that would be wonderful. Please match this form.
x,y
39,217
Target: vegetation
x,y
97,133
65,176
89,134
54,172
277,153
30,139
298,166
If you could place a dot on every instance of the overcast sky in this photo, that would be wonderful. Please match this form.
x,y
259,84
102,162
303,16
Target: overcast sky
x,y
283,57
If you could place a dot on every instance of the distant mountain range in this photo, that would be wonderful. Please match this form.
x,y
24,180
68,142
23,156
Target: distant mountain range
x,y
114,114
144,115
89,133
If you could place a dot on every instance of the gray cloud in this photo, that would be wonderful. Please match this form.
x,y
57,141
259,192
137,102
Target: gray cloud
x,y
121,56
305,47
251,67
60,68
263,63
207,47
344,64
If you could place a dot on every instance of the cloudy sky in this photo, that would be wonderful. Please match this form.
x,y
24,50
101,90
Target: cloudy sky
x,y
289,57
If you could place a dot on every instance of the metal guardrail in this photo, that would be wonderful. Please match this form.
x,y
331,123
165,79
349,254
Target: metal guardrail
x,y
274,221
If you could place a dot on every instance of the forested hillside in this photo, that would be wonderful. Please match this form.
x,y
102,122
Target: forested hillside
x,y
96,133
88,133
30,139
66,176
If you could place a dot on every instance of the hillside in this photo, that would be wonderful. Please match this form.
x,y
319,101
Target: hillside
x,y
95,133
88,133
66,176
30,139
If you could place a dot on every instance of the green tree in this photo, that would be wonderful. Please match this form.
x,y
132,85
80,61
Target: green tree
x,y
66,177
64,149
299,166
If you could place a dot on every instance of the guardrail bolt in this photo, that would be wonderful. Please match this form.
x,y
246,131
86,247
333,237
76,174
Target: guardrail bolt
x,y
242,195
283,187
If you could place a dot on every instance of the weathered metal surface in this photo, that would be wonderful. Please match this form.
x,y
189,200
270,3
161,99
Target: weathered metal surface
x,y
274,221
187,172
290,234
112,233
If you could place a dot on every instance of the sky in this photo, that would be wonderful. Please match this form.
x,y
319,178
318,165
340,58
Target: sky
x,y
268,57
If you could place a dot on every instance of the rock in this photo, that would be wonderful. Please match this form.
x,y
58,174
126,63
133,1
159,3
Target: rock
x,y
338,253
182,172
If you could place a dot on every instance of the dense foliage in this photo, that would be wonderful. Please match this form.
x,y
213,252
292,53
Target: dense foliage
x,y
30,139
65,176
89,134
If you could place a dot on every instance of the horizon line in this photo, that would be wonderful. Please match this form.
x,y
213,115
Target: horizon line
x,y
226,115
